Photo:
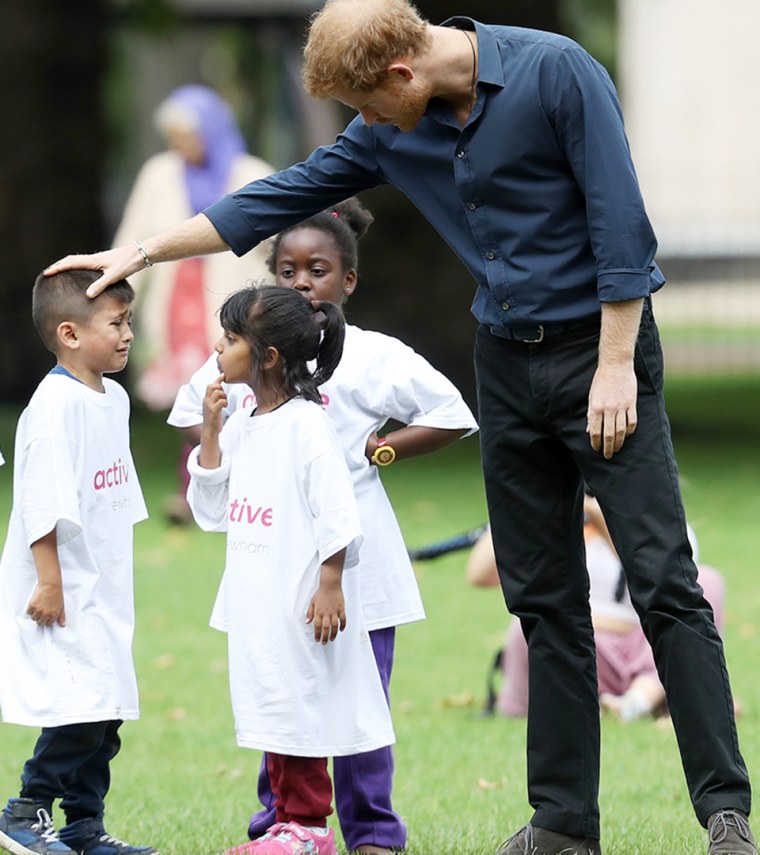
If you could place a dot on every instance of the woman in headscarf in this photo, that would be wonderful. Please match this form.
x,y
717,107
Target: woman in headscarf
x,y
177,302
206,158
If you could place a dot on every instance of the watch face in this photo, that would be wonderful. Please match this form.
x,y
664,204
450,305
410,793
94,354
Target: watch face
x,y
384,455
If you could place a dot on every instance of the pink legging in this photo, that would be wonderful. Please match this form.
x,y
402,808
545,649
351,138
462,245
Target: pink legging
x,y
302,789
619,658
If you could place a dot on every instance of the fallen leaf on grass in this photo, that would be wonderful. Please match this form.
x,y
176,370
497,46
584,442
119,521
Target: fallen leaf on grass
x,y
176,714
155,559
166,660
152,696
463,699
224,771
485,784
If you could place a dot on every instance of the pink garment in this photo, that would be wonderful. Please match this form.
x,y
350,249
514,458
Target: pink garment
x,y
188,337
619,658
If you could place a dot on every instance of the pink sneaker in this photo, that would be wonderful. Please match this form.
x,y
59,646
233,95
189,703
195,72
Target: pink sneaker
x,y
294,839
252,845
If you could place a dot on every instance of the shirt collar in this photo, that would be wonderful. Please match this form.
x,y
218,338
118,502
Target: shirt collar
x,y
59,369
490,68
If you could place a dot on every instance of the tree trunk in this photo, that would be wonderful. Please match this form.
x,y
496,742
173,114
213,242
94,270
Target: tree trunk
x,y
52,57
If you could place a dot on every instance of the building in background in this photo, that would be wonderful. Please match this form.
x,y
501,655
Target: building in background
x,y
690,84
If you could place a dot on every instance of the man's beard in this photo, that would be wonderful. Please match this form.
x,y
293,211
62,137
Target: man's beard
x,y
411,108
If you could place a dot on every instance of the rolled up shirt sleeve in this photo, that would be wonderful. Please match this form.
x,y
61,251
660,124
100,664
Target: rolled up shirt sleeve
x,y
588,121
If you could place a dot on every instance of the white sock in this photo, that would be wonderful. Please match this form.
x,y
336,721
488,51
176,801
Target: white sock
x,y
634,704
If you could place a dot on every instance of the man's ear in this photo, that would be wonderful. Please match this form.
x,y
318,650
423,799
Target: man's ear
x,y
66,332
400,69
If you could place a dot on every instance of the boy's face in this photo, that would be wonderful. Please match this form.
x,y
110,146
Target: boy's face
x,y
105,339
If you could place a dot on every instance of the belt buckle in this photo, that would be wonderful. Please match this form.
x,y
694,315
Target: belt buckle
x,y
536,340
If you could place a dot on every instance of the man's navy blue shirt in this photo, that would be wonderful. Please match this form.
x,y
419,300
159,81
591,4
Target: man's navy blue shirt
x,y
536,194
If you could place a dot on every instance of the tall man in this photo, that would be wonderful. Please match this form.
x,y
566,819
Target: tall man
x,y
511,143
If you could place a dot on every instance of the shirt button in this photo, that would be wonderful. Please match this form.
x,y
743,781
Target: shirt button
x,y
505,306
490,255
471,206
460,153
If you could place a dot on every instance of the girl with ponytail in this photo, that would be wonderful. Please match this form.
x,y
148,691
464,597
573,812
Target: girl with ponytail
x,y
378,379
303,679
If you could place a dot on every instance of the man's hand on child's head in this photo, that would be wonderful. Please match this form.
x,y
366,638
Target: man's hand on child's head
x,y
117,263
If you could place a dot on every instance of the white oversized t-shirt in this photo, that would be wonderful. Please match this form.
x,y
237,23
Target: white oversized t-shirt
x,y
284,496
72,472
378,378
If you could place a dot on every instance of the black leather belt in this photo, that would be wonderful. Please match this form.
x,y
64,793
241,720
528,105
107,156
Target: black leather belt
x,y
536,333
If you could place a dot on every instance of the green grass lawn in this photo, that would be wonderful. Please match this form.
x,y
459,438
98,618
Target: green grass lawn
x,y
181,783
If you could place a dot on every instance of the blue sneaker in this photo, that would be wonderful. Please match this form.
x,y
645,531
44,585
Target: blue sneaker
x,y
88,837
26,829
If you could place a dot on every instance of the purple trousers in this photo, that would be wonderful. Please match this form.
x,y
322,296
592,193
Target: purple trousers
x,y
362,782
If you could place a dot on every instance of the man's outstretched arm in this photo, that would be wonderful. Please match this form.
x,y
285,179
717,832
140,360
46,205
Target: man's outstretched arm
x,y
196,236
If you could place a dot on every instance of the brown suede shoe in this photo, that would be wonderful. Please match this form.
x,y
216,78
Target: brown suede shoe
x,y
730,834
530,840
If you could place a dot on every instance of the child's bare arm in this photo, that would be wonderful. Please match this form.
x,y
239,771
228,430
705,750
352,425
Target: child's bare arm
x,y
46,605
414,440
214,402
327,610
192,434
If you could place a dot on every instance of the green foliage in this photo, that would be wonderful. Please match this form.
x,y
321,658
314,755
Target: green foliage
x,y
181,783
593,23
155,16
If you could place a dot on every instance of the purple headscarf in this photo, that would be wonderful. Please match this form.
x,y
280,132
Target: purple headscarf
x,y
222,141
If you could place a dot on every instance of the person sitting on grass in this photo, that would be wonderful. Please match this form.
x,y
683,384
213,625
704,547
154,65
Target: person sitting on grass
x,y
629,686
66,600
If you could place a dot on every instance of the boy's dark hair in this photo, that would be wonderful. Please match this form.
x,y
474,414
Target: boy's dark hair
x,y
347,222
62,297
268,316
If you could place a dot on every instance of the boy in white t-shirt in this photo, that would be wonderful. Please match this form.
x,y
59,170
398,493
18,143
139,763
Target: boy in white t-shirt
x,y
66,598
